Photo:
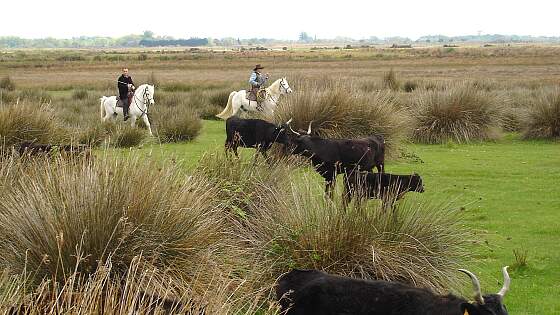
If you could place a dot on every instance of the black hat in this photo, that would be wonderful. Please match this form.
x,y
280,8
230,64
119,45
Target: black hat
x,y
257,67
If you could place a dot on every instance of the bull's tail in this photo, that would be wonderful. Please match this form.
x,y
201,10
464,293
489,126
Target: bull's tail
x,y
227,112
102,106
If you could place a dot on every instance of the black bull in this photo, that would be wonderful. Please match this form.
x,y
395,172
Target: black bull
x,y
253,133
334,156
313,292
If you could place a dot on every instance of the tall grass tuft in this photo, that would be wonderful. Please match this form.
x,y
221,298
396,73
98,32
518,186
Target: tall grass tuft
x,y
244,184
176,124
339,110
125,136
461,113
58,218
416,243
390,80
543,116
28,122
80,94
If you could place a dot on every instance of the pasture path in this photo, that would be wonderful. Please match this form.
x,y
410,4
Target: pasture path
x,y
508,191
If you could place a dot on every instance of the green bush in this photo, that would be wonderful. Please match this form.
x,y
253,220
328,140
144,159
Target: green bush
x,y
461,113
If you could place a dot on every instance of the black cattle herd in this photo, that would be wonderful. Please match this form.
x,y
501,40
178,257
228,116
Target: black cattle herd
x,y
312,292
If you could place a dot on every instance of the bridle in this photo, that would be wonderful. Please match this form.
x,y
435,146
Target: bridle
x,y
145,99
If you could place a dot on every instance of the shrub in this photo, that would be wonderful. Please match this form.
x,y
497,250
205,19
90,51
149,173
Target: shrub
x,y
390,81
341,111
28,122
413,243
543,116
177,124
462,113
6,83
80,94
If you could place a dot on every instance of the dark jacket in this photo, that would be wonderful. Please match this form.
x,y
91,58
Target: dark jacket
x,y
122,85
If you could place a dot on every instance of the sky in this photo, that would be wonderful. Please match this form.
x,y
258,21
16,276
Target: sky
x,y
280,19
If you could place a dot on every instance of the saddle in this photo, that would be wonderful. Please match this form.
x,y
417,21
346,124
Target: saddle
x,y
120,103
256,95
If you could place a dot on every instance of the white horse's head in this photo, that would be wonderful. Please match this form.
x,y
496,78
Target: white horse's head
x,y
147,93
284,86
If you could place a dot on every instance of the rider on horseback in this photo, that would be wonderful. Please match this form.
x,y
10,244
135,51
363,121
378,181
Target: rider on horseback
x,y
126,90
257,81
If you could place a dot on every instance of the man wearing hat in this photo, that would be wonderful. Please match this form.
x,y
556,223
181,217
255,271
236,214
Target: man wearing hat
x,y
257,80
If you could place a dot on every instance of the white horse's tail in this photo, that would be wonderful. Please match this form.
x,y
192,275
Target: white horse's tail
x,y
227,112
102,106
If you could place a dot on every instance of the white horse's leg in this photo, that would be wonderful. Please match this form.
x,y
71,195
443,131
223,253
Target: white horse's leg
x,y
147,123
133,121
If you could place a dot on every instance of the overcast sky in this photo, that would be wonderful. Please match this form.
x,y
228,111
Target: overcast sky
x,y
281,19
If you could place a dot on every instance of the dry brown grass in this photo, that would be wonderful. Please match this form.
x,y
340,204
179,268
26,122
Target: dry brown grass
x,y
461,113
543,116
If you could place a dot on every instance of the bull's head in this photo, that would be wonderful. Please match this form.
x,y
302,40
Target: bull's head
x,y
489,304
280,133
300,141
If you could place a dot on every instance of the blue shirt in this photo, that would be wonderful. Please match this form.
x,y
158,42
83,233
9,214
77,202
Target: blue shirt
x,y
257,79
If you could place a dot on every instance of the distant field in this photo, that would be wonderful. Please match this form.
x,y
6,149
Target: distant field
x,y
508,189
48,69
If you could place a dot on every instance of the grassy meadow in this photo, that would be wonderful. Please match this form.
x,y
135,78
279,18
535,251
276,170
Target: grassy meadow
x,y
480,125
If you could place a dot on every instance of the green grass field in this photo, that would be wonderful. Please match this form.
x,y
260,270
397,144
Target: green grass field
x,y
509,192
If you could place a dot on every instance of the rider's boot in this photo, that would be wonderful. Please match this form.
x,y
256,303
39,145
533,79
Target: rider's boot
x,y
125,112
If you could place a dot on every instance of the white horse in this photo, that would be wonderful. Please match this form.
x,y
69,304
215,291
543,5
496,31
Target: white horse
x,y
238,100
142,99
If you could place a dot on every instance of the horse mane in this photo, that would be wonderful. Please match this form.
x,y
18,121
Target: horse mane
x,y
274,86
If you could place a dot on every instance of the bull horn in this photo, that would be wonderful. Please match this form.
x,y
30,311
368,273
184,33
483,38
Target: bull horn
x,y
476,284
507,281
292,130
309,128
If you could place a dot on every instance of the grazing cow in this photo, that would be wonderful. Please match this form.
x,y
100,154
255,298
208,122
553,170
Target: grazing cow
x,y
253,133
313,292
34,149
380,185
334,156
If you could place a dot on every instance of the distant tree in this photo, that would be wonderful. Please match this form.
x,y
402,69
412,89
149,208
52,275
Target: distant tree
x,y
148,35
